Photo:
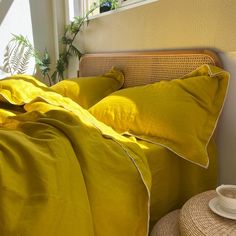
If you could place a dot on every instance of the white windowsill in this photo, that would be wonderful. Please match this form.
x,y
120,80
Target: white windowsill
x,y
124,7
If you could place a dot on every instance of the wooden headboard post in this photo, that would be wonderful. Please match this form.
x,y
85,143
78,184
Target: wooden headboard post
x,y
142,68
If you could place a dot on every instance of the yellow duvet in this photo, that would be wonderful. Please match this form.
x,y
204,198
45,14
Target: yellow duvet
x,y
175,180
63,173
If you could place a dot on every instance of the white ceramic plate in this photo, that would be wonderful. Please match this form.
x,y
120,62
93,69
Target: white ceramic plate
x,y
216,208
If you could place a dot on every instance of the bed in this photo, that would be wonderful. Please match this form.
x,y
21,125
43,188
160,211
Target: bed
x,y
174,180
72,164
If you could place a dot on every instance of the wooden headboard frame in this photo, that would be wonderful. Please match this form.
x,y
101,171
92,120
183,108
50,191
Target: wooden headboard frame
x,y
142,68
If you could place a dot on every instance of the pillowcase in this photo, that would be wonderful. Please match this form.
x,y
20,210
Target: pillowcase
x,y
180,114
86,91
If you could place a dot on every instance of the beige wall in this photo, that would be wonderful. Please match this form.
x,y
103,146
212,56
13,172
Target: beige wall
x,y
166,24
174,24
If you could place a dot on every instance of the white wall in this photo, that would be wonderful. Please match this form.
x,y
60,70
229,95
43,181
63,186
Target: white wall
x,y
43,26
15,18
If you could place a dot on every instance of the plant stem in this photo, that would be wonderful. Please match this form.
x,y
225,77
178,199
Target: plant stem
x,y
49,79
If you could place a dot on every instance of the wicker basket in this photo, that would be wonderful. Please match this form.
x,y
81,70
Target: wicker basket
x,y
167,225
196,218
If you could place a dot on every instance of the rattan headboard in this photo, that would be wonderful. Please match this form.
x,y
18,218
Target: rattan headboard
x,y
142,68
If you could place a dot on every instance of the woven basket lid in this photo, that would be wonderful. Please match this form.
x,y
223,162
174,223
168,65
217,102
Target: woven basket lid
x,y
197,219
167,225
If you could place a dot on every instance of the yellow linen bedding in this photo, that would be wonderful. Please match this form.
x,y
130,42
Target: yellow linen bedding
x,y
64,173
180,114
175,180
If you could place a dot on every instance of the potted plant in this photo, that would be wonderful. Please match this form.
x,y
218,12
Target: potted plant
x,y
107,5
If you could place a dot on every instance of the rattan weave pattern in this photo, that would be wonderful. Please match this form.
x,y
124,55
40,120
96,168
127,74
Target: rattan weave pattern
x,y
147,67
196,218
168,225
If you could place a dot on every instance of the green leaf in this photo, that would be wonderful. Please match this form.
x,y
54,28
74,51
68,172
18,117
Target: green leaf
x,y
73,27
78,20
75,51
44,63
65,40
54,77
60,67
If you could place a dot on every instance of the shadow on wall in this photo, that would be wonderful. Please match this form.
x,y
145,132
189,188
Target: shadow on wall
x,y
4,7
43,28
227,127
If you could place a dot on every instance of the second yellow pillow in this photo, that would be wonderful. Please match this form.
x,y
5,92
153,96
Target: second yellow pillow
x,y
87,91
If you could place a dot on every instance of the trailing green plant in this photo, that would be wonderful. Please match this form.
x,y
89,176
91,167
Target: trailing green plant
x,y
43,61
114,4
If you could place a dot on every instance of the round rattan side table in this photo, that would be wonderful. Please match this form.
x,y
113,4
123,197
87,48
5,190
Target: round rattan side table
x,y
168,225
197,219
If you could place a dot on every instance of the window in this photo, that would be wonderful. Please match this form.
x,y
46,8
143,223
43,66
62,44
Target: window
x,y
126,4
79,7
130,2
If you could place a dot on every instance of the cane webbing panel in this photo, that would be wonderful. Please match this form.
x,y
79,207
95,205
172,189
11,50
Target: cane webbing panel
x,y
142,68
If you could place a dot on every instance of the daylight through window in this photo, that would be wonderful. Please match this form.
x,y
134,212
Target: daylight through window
x,y
79,7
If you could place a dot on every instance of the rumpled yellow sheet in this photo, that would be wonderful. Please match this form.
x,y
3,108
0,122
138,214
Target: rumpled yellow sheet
x,y
63,173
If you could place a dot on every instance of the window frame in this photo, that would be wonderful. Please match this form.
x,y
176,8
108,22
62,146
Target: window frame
x,y
128,4
124,3
81,6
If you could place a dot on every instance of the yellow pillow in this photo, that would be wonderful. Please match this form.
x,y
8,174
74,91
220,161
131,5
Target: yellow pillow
x,y
180,114
87,91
